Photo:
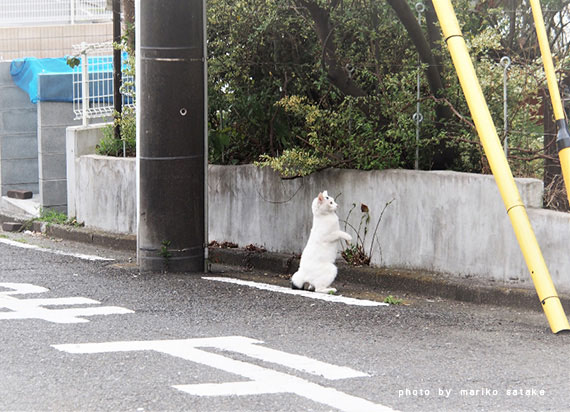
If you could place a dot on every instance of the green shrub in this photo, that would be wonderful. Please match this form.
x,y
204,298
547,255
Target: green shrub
x,y
110,145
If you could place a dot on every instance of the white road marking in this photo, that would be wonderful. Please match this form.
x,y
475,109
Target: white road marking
x,y
307,294
262,380
53,251
34,308
251,348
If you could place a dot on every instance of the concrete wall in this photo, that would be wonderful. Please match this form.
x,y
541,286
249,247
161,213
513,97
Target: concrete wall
x,y
53,120
18,136
445,222
33,139
107,187
101,190
79,141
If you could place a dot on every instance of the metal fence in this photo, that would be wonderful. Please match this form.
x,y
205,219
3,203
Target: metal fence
x,y
37,12
93,82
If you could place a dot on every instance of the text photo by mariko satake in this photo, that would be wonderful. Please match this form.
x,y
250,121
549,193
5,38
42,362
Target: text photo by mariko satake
x,y
471,392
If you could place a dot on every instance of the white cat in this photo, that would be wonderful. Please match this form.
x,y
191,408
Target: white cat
x,y
317,269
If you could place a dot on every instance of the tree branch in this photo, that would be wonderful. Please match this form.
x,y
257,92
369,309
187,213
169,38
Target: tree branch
x,y
410,22
336,73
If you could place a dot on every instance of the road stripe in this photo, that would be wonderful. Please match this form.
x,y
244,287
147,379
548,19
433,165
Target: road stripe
x,y
251,348
55,252
262,381
34,308
304,293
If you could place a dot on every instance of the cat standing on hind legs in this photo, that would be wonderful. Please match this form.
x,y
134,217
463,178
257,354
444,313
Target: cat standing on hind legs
x,y
317,269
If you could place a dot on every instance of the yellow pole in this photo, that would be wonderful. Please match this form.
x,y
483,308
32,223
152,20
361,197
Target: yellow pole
x,y
500,167
562,137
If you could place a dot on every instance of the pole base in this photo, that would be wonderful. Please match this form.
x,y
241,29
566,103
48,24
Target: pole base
x,y
149,261
555,314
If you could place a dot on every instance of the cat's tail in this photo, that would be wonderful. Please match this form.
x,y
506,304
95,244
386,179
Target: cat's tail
x,y
297,285
306,286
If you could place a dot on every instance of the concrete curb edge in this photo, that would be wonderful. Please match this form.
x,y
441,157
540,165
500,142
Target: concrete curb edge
x,y
77,234
397,280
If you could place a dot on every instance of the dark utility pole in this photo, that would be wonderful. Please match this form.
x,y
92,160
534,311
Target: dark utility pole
x,y
171,104
117,74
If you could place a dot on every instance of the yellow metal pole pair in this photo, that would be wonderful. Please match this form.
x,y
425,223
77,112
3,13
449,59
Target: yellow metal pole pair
x,y
562,137
500,167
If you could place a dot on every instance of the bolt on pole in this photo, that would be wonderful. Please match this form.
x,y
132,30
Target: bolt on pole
x,y
171,135
500,167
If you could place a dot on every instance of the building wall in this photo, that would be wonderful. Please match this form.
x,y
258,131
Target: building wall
x,y
50,41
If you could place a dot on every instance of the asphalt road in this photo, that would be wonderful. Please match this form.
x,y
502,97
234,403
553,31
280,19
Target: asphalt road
x,y
178,342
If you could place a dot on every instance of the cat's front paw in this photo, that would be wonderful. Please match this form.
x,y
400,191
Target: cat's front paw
x,y
346,237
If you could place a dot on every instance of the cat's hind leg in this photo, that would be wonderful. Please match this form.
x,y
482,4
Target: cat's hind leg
x,y
325,278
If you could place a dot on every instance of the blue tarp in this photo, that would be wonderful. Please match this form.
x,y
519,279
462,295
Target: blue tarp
x,y
25,74
51,79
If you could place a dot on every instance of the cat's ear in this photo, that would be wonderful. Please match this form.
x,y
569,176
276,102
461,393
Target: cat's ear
x,y
325,194
321,196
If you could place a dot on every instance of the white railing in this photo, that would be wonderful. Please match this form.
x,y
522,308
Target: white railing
x,y
93,82
32,12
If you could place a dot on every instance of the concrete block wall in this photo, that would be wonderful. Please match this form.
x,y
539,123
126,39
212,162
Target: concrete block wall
x,y
53,120
33,139
18,136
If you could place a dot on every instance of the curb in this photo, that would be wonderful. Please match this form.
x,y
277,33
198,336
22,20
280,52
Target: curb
x,y
397,280
94,237
404,281
278,263
77,234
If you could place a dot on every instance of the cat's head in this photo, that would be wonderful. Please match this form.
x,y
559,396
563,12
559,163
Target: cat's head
x,y
324,204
